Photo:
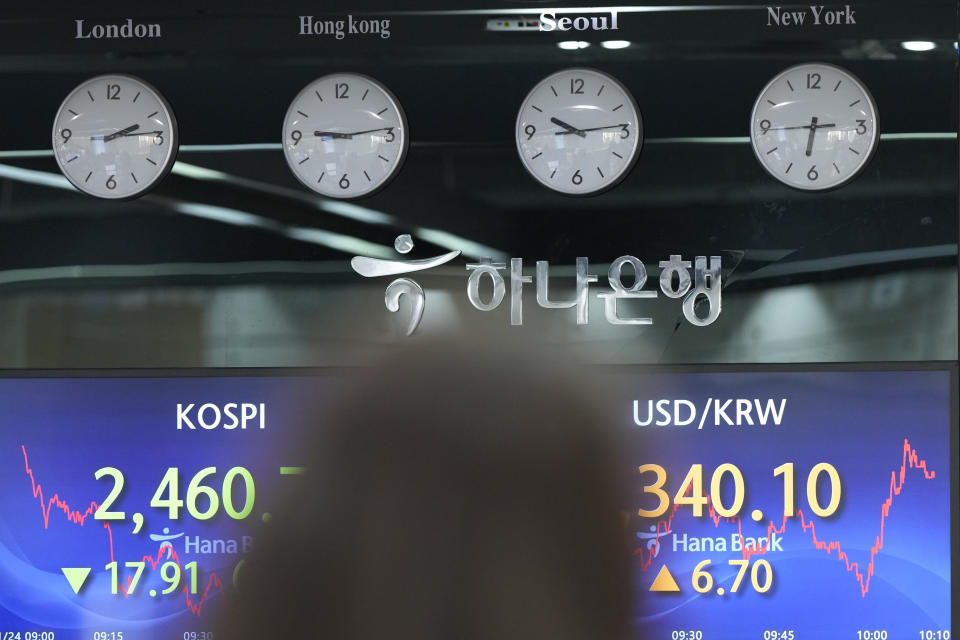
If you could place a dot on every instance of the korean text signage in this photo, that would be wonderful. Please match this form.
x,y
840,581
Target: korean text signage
x,y
676,281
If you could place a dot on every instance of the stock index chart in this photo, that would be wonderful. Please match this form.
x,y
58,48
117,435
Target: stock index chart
x,y
768,505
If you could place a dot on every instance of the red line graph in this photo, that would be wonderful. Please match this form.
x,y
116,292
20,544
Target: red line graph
x,y
79,517
911,460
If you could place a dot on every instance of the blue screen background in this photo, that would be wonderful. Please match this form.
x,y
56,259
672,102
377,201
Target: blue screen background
x,y
857,421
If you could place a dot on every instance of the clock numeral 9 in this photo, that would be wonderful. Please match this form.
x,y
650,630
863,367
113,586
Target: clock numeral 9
x,y
295,136
813,81
529,130
576,178
113,92
861,127
812,174
340,90
111,182
344,183
764,126
576,85
65,134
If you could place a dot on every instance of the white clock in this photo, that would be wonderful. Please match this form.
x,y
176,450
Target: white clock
x,y
814,126
345,136
579,131
115,137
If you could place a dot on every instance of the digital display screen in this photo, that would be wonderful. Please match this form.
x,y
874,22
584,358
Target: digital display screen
x,y
766,504
792,505
188,470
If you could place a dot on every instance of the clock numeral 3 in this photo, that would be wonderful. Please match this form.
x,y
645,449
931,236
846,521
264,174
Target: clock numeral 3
x,y
390,137
861,127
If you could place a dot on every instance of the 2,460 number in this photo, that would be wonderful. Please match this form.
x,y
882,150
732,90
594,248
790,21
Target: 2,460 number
x,y
170,485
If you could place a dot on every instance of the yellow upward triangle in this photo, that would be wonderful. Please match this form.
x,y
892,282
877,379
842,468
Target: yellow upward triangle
x,y
664,581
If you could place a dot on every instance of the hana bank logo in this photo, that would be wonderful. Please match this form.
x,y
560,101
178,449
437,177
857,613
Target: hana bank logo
x,y
699,290
374,267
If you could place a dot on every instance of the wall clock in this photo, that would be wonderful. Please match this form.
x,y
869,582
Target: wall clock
x,y
579,132
814,126
345,136
115,137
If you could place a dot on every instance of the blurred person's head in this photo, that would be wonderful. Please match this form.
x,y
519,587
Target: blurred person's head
x,y
454,494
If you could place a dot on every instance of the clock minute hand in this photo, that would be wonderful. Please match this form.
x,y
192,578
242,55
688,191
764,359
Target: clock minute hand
x,y
813,132
568,127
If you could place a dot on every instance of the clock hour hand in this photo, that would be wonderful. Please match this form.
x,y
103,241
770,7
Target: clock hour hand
x,y
117,134
142,133
333,134
609,126
568,127
358,133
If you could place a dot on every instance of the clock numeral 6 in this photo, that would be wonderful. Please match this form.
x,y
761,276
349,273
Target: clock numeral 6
x,y
812,174
344,183
65,134
295,136
576,178
111,182
529,130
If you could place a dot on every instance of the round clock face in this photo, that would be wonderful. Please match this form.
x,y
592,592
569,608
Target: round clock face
x,y
115,137
579,131
814,126
345,136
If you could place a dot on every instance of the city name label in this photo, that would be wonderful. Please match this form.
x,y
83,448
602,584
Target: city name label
x,y
343,27
124,30
815,16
